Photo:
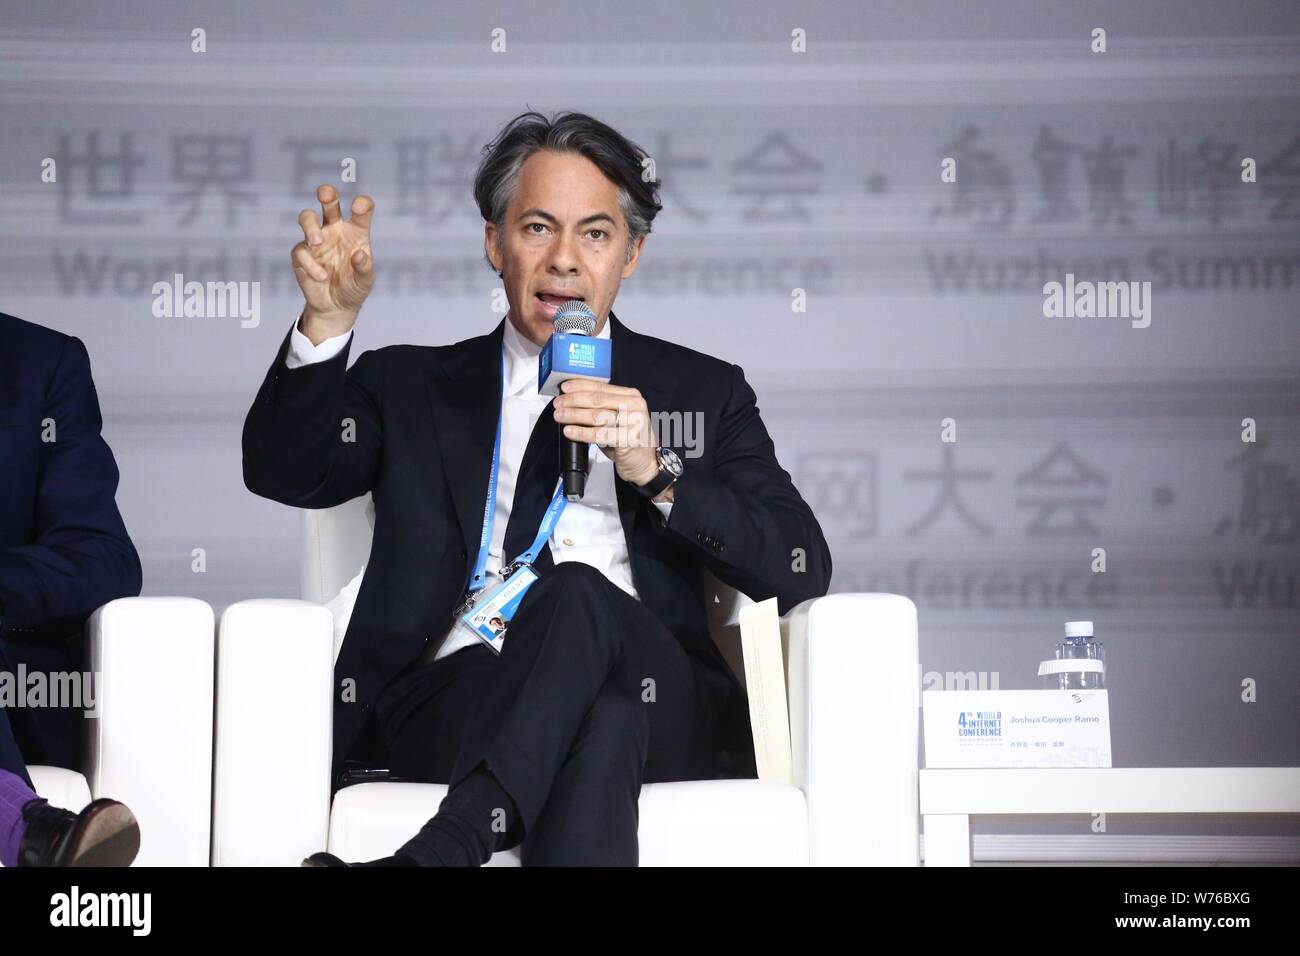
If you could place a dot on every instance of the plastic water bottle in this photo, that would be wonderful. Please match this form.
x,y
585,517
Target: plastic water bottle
x,y
1080,646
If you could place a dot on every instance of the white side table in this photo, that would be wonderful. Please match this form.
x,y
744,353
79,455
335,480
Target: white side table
x,y
949,798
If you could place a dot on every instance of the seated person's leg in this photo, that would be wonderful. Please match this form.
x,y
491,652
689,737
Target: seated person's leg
x,y
15,793
32,832
49,735
11,758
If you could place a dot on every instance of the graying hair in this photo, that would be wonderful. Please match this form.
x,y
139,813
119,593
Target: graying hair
x,y
612,153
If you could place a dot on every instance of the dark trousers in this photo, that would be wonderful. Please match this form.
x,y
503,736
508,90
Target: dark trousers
x,y
11,758
590,697
47,735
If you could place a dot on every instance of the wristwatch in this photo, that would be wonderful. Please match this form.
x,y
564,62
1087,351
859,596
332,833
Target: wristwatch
x,y
670,469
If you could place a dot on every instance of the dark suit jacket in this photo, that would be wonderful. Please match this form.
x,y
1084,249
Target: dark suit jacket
x,y
425,420
63,548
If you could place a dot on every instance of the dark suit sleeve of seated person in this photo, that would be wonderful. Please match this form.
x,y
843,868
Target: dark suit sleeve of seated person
x,y
766,542
313,436
65,550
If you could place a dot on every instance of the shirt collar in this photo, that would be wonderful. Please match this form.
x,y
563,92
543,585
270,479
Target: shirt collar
x,y
521,358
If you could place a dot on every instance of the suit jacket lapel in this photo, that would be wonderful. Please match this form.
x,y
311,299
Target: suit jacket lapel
x,y
465,395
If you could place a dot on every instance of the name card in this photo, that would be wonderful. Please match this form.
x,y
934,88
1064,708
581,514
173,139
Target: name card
x,y
1016,728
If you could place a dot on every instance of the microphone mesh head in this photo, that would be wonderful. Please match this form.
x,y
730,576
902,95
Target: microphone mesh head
x,y
575,316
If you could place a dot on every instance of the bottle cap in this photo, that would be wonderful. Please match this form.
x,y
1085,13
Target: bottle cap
x,y
1078,628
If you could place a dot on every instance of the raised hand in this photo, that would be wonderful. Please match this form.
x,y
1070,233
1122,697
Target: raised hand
x,y
334,265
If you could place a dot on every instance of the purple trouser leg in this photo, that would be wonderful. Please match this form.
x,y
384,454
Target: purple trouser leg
x,y
14,795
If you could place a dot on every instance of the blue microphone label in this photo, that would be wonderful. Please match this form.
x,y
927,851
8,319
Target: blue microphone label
x,y
582,355
568,356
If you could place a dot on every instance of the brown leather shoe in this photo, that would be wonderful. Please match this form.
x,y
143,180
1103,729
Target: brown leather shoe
x,y
104,833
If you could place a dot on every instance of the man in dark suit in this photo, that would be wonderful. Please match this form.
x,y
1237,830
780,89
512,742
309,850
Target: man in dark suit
x,y
63,552
607,677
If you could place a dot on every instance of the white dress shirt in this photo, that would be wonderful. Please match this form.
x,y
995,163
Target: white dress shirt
x,y
589,530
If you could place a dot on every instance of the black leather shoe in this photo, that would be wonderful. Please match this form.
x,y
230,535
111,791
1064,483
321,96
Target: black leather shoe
x,y
329,859
104,833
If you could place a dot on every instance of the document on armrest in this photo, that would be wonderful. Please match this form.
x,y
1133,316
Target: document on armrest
x,y
769,708
341,607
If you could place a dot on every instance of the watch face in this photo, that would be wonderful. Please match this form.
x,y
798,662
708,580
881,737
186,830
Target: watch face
x,y
671,461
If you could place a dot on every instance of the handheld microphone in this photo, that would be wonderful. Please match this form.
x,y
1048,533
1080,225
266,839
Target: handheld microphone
x,y
573,352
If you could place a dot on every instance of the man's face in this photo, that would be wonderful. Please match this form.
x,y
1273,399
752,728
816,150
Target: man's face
x,y
564,238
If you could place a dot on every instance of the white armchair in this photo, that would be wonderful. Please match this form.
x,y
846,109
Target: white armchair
x,y
854,688
150,742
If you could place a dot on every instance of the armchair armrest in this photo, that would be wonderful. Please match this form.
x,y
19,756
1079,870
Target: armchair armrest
x,y
855,696
150,742
271,795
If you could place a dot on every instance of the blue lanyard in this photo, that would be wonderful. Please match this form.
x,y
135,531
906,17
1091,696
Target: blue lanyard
x,y
558,501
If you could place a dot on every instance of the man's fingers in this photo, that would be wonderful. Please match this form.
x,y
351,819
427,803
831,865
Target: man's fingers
x,y
624,399
329,203
575,385
303,259
599,415
585,392
633,427
310,227
606,436
363,208
622,403
363,262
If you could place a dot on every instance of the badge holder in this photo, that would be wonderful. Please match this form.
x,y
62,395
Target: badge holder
x,y
489,615
487,611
